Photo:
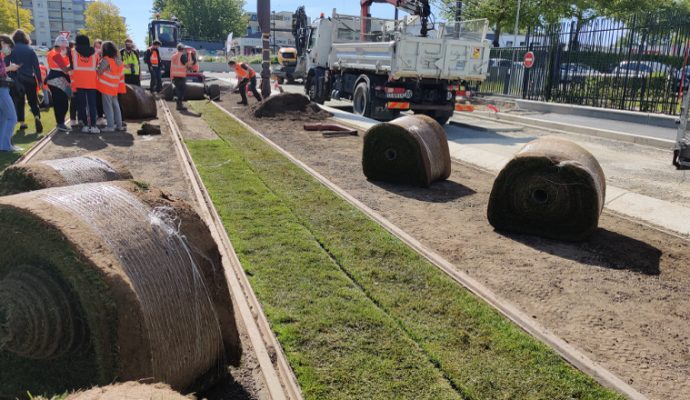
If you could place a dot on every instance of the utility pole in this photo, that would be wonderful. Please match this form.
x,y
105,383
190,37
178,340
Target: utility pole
x,y
458,16
273,14
16,2
62,18
263,11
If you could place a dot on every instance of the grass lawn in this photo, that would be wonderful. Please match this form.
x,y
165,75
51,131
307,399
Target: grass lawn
x,y
27,139
359,313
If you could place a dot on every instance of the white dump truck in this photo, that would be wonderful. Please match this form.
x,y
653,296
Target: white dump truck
x,y
389,66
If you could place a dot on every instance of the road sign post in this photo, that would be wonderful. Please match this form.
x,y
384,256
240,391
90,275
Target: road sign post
x,y
529,59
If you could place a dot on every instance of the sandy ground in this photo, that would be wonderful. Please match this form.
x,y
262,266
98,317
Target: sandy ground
x,y
621,297
153,159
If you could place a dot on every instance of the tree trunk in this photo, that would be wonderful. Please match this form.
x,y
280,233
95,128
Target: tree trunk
x,y
497,34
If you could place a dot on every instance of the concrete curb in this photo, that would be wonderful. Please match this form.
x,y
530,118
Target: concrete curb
x,y
663,215
664,144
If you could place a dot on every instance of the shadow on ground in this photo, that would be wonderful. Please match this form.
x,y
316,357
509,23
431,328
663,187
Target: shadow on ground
x,y
439,192
605,249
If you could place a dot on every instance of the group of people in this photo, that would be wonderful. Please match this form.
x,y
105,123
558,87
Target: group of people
x,y
82,79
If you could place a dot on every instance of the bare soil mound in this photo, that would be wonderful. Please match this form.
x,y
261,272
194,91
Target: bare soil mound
x,y
293,106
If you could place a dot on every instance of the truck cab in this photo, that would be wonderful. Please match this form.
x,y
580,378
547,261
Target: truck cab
x,y
168,32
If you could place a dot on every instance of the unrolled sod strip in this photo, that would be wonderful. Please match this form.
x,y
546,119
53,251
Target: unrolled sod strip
x,y
109,281
21,178
411,150
551,188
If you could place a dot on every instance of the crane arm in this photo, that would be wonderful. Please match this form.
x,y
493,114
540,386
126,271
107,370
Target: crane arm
x,y
420,8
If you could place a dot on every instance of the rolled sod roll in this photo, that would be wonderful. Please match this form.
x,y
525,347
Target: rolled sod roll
x,y
109,281
138,103
552,188
194,91
61,172
412,150
168,91
213,91
129,390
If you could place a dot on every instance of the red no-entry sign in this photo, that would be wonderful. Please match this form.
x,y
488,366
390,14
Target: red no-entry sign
x,y
529,59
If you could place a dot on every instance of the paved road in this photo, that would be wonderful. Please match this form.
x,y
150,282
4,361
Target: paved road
x,y
600,123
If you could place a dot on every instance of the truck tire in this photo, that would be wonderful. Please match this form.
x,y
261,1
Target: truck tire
x,y
361,100
313,92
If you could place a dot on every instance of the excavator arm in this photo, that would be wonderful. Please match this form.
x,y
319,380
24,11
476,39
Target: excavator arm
x,y
420,8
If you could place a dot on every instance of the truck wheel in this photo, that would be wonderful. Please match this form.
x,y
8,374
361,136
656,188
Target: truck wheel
x,y
361,100
441,119
312,91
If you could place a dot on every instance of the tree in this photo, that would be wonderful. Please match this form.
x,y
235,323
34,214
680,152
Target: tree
x,y
103,21
8,17
206,19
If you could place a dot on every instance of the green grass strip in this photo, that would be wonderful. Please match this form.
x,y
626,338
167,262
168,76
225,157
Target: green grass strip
x,y
27,139
346,298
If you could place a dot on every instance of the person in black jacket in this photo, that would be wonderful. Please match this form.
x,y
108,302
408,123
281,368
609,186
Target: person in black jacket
x,y
25,78
152,58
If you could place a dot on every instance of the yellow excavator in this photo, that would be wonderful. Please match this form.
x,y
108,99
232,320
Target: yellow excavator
x,y
287,61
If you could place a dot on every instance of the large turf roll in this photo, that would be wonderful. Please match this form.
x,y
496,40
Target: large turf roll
x,y
552,188
137,103
109,281
61,172
213,91
192,91
129,390
412,149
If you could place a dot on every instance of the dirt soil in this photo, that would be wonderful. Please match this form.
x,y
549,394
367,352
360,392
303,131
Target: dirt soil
x,y
154,160
621,296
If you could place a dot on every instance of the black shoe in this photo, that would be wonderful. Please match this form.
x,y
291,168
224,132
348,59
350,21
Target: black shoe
x,y
23,126
244,103
39,125
181,108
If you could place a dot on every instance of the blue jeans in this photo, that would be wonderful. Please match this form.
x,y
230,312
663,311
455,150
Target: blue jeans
x,y
86,99
156,80
8,119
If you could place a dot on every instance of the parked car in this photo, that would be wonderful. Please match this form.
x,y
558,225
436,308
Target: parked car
x,y
679,78
642,69
576,72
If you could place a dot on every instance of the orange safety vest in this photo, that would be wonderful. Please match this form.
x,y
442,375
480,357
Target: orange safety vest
x,y
154,57
52,65
84,75
177,69
242,73
191,66
109,81
122,89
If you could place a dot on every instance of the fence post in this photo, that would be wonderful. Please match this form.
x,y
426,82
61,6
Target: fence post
x,y
525,77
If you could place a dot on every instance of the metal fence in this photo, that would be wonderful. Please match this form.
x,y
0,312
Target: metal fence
x,y
638,65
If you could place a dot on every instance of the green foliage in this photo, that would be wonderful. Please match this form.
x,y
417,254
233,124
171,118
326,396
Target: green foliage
x,y
8,17
103,21
205,19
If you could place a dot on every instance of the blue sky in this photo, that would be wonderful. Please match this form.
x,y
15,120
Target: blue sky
x,y
137,12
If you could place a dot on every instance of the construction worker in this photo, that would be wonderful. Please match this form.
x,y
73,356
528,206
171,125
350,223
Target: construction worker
x,y
179,63
245,75
130,58
58,80
109,84
152,58
84,64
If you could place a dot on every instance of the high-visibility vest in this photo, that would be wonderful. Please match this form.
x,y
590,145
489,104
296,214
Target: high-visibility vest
x,y
177,69
242,73
154,57
109,81
191,65
129,58
84,75
44,74
122,89
52,65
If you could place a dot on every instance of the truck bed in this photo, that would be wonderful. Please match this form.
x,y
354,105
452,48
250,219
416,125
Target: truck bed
x,y
410,56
